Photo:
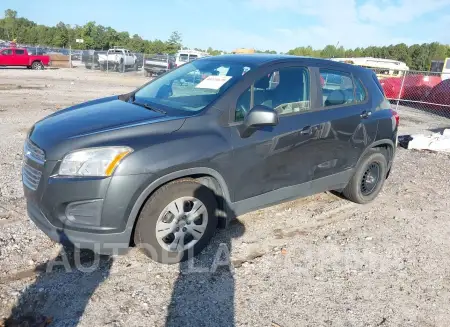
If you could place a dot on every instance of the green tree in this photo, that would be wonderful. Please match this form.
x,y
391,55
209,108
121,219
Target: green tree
x,y
61,35
174,43
330,51
10,23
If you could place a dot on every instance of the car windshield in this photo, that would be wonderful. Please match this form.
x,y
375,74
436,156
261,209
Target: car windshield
x,y
193,86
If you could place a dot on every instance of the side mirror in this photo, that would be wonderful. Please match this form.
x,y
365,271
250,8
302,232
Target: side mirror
x,y
259,116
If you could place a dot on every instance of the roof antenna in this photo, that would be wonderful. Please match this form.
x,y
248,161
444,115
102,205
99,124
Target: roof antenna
x,y
337,44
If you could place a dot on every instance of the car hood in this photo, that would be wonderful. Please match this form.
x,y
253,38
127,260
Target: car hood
x,y
102,119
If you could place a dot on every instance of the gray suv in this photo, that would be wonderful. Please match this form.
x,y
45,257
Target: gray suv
x,y
165,165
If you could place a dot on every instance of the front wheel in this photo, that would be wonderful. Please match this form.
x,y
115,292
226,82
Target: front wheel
x,y
368,179
177,221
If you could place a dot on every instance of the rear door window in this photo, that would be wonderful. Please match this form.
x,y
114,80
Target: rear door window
x,y
360,92
337,88
20,52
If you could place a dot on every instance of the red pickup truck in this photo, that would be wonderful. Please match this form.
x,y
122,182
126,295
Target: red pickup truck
x,y
20,57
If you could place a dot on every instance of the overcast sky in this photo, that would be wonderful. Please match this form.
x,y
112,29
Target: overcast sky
x,y
263,24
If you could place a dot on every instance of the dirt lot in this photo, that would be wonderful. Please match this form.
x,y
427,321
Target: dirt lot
x,y
318,261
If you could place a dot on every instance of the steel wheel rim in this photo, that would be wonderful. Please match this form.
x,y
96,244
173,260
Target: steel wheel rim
x,y
370,179
181,224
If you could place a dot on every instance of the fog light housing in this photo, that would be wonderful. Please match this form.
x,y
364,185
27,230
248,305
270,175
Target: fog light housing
x,y
85,212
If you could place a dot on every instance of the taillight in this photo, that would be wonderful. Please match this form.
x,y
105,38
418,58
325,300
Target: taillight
x,y
396,116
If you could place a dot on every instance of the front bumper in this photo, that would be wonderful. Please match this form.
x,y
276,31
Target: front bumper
x,y
87,212
116,243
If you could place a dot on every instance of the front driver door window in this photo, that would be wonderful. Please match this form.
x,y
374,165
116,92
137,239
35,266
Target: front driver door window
x,y
5,57
285,90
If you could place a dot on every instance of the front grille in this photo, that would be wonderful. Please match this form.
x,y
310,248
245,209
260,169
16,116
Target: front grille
x,y
33,152
31,177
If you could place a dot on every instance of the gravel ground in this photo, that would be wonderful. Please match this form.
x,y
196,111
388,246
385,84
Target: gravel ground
x,y
317,261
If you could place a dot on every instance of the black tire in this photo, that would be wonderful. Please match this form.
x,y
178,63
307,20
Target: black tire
x,y
358,190
145,230
37,65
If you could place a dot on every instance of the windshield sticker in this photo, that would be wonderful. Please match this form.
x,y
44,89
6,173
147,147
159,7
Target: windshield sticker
x,y
213,82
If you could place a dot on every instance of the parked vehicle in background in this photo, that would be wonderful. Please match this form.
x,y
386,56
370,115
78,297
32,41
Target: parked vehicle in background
x,y
163,166
384,68
184,56
243,51
158,64
117,59
36,51
441,66
439,96
90,58
76,54
413,87
20,57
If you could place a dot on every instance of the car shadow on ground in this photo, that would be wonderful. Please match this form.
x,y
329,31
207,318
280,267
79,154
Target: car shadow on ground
x,y
203,293
61,291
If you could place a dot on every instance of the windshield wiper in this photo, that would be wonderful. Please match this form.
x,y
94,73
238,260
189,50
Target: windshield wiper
x,y
147,106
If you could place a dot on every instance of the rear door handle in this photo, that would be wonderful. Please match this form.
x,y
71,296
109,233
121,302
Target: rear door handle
x,y
366,114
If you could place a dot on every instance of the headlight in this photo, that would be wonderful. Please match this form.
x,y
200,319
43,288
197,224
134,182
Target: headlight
x,y
94,161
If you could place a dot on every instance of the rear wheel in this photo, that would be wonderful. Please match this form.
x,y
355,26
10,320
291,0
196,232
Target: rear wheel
x,y
368,179
177,221
37,65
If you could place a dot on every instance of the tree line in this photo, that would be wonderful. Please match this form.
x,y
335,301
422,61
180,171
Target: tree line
x,y
416,56
95,36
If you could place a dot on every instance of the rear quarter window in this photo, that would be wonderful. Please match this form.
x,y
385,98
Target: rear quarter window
x,y
377,82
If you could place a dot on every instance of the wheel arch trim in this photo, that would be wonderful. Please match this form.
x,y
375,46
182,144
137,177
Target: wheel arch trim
x,y
153,186
375,144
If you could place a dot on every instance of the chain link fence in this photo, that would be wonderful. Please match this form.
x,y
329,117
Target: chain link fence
x,y
118,59
422,98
